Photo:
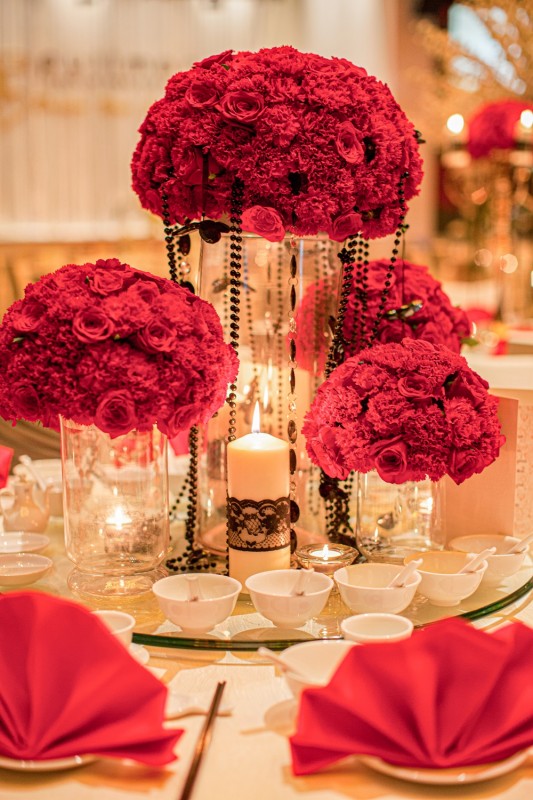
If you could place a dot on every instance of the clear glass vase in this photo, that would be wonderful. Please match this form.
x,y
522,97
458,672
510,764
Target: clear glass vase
x,y
116,513
269,286
395,520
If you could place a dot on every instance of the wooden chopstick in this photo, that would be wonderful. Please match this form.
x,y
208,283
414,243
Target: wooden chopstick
x,y
203,742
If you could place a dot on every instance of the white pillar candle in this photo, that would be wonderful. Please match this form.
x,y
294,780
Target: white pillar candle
x,y
258,533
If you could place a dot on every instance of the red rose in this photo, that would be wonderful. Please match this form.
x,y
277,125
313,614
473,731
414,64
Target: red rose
x,y
464,463
148,291
324,450
157,337
265,222
416,387
106,281
92,325
348,144
29,316
390,458
26,402
180,420
220,58
344,226
202,94
115,413
242,106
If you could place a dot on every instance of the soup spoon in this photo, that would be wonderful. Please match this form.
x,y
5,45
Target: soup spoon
x,y
403,576
279,662
474,562
520,547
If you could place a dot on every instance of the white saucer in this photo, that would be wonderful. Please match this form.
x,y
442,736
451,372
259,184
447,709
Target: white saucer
x,y
21,542
139,653
447,777
20,569
281,717
47,765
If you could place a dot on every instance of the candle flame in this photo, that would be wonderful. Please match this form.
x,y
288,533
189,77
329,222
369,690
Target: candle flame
x,y
325,553
118,518
256,419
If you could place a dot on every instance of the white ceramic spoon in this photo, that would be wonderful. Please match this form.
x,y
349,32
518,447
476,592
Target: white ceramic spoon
x,y
476,560
193,588
403,576
300,584
521,546
279,662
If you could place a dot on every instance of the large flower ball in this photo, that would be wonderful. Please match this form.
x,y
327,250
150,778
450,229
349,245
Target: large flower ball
x,y
416,307
409,410
112,346
319,146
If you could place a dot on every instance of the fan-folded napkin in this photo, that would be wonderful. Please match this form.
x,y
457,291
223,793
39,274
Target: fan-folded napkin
x,y
6,456
69,687
449,696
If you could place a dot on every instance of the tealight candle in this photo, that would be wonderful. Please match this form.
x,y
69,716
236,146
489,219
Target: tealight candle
x,y
326,558
258,503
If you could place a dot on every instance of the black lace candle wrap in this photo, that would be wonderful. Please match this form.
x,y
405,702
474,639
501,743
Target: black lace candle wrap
x,y
258,505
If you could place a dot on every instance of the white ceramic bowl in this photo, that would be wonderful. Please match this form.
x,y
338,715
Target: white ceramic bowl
x,y
218,598
270,593
23,542
501,565
364,588
441,582
23,568
119,623
316,662
366,628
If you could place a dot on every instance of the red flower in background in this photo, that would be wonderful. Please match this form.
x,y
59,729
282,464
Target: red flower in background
x,y
436,320
493,127
409,410
109,345
316,140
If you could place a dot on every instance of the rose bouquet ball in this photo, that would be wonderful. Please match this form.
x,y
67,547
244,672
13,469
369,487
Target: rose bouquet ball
x,y
109,345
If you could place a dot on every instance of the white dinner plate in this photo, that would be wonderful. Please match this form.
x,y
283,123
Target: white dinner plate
x,y
21,542
46,765
447,777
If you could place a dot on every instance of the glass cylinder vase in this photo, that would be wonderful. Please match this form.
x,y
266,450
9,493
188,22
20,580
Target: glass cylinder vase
x,y
395,520
286,296
116,512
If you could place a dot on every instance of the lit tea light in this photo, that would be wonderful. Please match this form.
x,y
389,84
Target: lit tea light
x,y
326,559
118,519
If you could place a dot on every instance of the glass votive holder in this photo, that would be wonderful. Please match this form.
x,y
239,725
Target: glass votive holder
x,y
326,558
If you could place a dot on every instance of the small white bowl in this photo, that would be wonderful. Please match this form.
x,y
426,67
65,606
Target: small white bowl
x,y
501,565
441,581
22,542
218,596
270,593
364,588
119,623
366,628
23,568
314,663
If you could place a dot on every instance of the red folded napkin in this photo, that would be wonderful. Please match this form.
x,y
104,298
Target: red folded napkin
x,y
449,696
6,456
69,687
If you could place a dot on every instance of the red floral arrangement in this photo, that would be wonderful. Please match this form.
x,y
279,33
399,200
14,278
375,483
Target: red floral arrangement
x,y
493,127
319,145
112,346
416,308
410,410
